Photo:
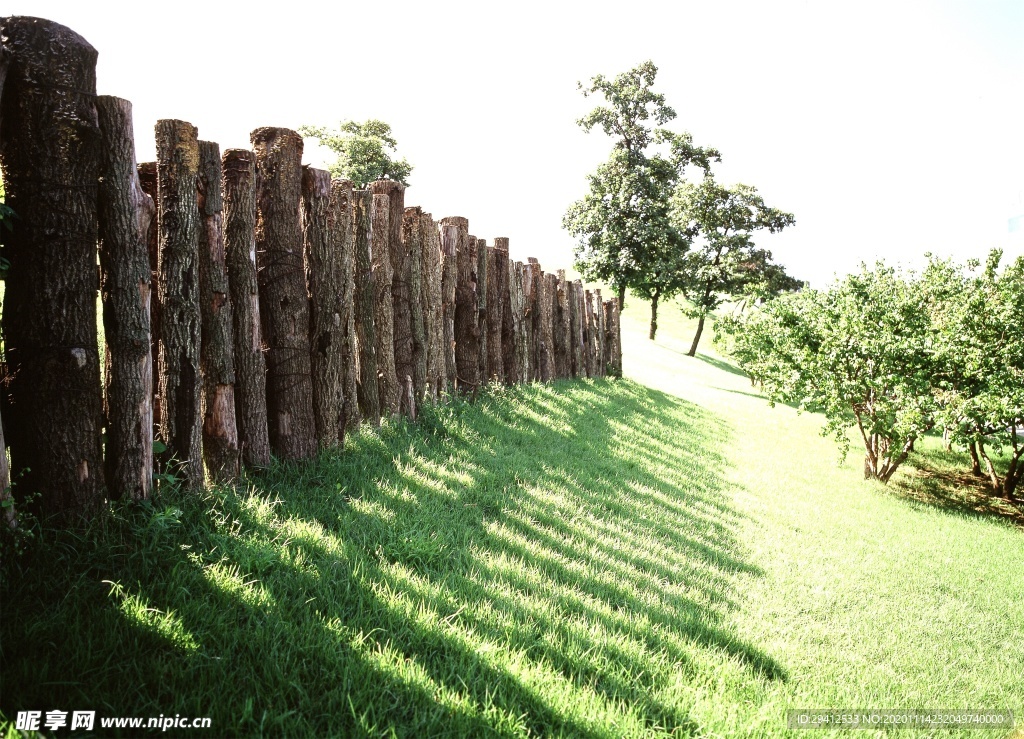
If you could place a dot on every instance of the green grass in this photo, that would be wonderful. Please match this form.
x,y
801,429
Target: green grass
x,y
657,555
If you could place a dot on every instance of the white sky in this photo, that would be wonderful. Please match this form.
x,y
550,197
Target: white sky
x,y
888,128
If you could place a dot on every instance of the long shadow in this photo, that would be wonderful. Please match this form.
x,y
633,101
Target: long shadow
x,y
573,560
729,367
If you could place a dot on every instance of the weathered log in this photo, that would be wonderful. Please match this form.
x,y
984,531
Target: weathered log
x,y
217,351
598,334
590,348
614,334
547,298
576,328
239,194
508,346
497,285
50,152
284,304
323,284
339,226
433,306
450,235
531,286
396,280
383,308
177,150
482,263
562,336
467,310
518,370
412,242
149,183
365,302
125,215
586,363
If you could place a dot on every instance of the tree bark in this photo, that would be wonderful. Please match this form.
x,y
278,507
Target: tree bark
x,y
518,370
412,241
591,347
599,350
576,328
972,448
586,364
482,263
467,307
284,304
324,287
433,306
383,308
508,341
612,350
181,392
239,194
654,321
497,293
217,355
149,183
365,300
696,337
548,296
397,376
531,318
125,215
50,151
563,345
339,226
622,297
450,235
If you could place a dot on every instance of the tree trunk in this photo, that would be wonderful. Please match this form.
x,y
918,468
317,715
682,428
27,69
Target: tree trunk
x,y
412,241
239,191
284,304
383,307
365,301
450,237
149,183
467,309
50,150
394,323
217,355
972,448
125,215
433,306
181,392
622,297
483,263
339,226
654,317
696,337
497,289
324,286
548,302
1013,471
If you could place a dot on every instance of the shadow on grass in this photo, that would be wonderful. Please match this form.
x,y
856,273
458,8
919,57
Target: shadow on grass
x,y
546,562
721,364
944,480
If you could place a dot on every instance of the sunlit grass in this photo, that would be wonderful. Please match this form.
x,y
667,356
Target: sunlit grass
x,y
659,555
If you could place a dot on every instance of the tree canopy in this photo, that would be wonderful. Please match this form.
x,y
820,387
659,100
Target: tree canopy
x,y
365,151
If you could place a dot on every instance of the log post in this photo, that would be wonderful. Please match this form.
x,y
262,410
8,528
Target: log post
x,y
591,346
547,296
563,344
519,371
323,284
412,243
177,151
433,306
395,321
508,343
497,286
450,235
239,194
481,300
339,226
50,151
467,309
365,302
575,329
217,354
587,364
149,182
383,309
599,333
531,286
615,338
125,216
284,304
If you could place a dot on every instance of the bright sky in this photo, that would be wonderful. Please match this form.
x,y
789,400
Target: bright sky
x,y
888,128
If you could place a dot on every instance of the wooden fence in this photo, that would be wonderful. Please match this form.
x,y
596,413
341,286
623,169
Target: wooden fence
x,y
251,306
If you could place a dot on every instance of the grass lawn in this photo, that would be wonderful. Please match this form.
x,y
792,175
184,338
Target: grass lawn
x,y
658,555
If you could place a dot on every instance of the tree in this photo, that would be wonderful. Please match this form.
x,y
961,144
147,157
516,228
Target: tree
x,y
365,152
624,234
725,263
862,353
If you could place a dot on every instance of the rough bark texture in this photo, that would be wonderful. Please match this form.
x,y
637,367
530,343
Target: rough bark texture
x,y
433,306
531,287
383,308
599,330
339,225
177,153
508,339
50,158
517,319
592,328
284,305
576,329
467,307
482,264
365,300
239,193
220,431
497,289
399,325
324,285
412,242
450,235
563,345
585,320
612,361
125,215
10,514
547,299
150,185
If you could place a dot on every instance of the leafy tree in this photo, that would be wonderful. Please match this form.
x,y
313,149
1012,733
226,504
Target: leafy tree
x,y
862,353
625,235
725,264
365,151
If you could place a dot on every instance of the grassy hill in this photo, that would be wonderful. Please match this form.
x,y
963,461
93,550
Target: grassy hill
x,y
661,554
